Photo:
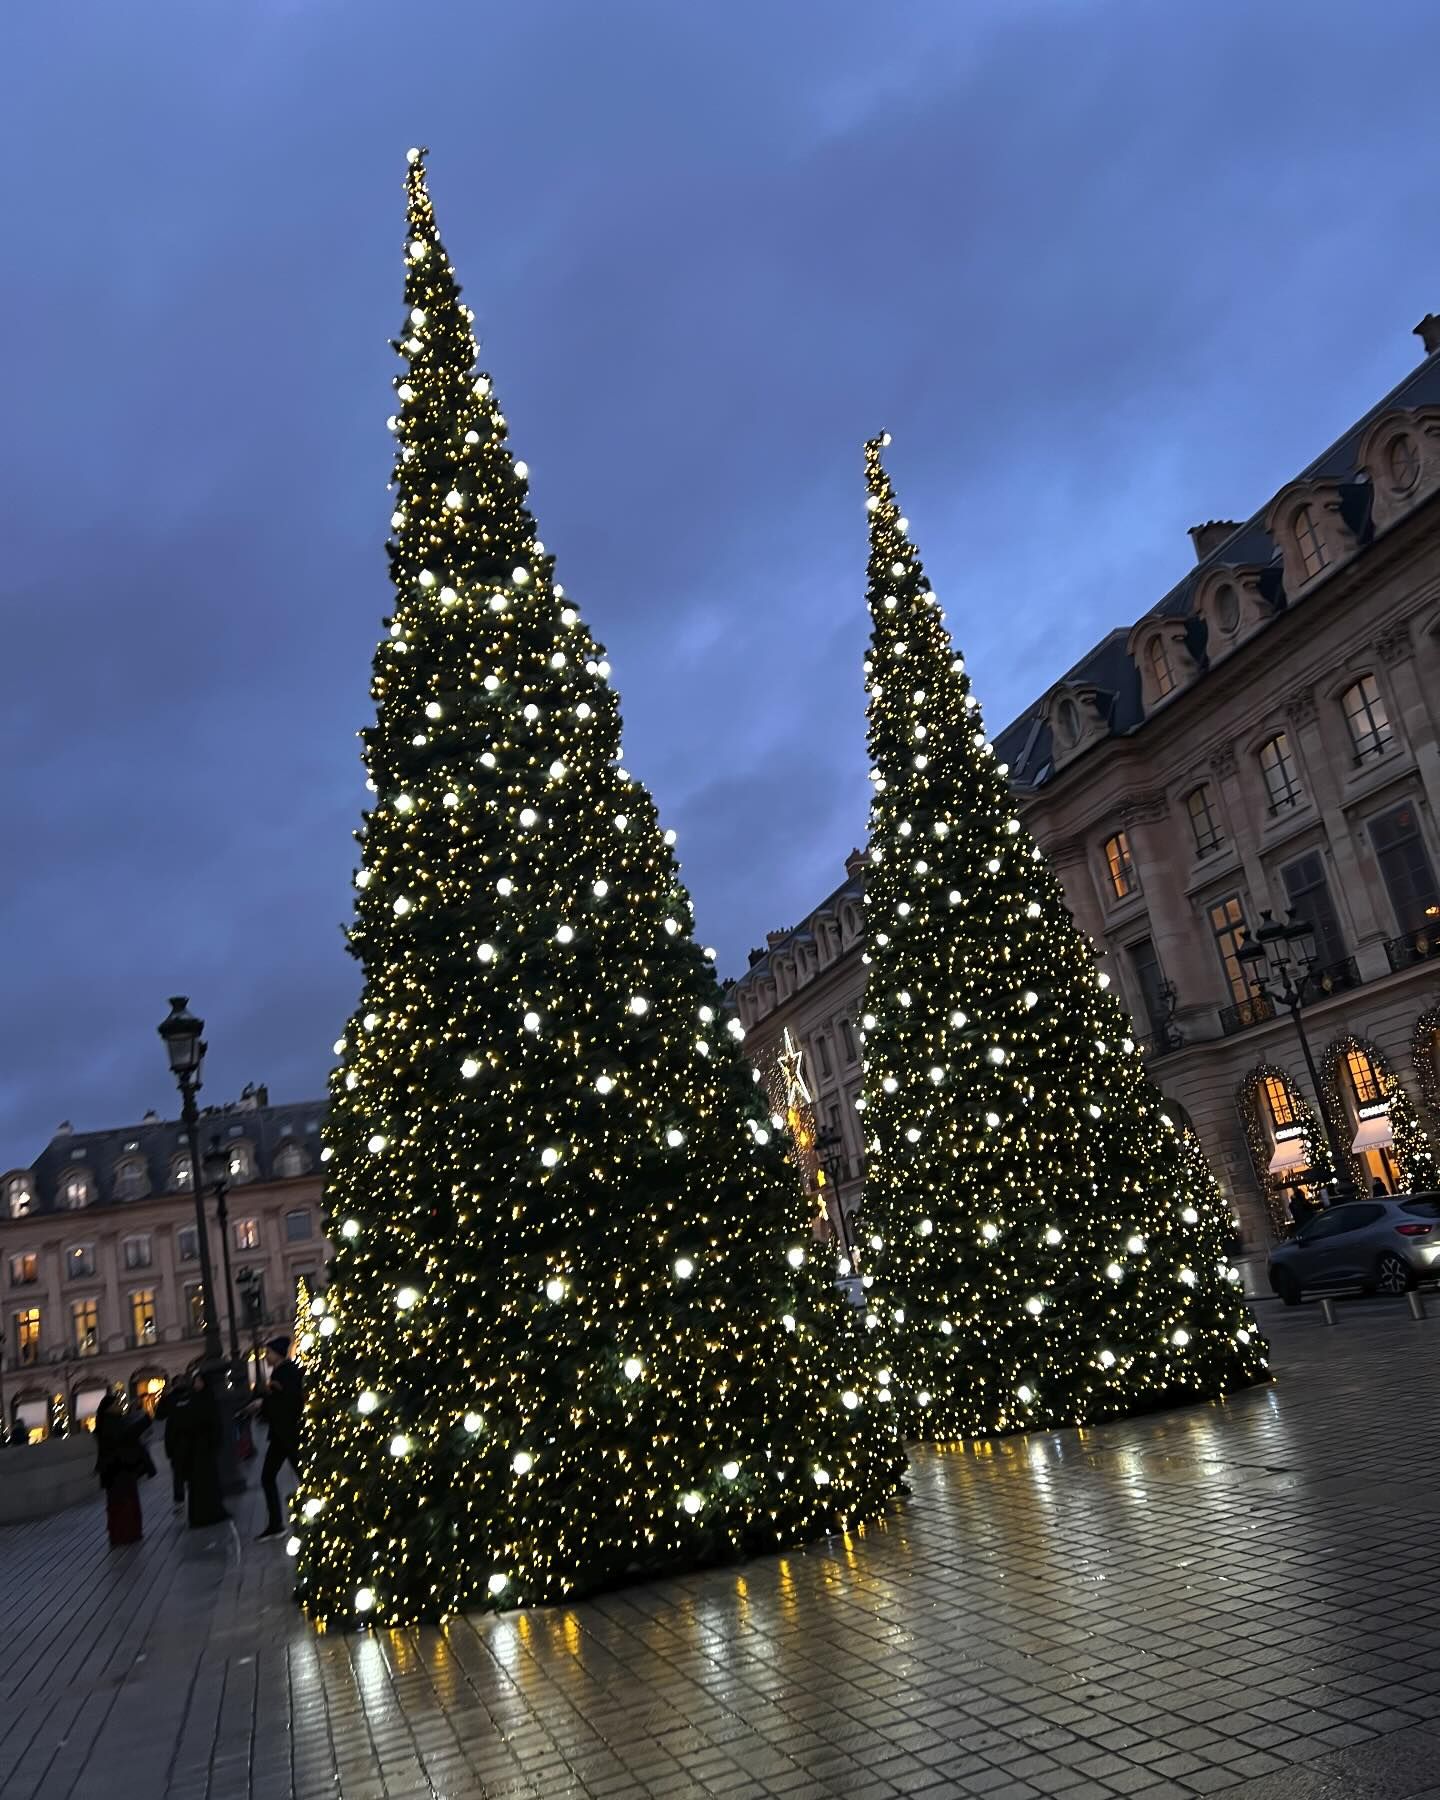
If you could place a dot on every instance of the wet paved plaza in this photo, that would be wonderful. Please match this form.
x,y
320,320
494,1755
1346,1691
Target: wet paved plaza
x,y
1235,1599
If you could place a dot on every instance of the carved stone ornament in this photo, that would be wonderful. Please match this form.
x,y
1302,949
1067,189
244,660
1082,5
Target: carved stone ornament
x,y
1300,706
1394,645
1144,808
1222,761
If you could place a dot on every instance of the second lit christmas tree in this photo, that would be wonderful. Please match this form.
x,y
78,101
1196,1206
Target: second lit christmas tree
x,y
575,1332
1052,1247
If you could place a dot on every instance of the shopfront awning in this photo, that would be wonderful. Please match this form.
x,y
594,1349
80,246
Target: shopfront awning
x,y
1374,1134
1289,1154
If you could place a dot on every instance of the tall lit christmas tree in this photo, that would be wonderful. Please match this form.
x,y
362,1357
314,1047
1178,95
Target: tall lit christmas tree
x,y
1053,1249
578,1331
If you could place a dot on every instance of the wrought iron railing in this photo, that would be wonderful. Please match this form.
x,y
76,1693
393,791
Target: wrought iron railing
x,y
1245,1013
1334,978
1416,946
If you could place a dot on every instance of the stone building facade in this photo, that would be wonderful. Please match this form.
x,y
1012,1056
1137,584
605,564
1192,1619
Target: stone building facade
x,y
1266,739
99,1258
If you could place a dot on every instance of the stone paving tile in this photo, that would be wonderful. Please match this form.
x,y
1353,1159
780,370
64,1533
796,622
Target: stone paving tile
x,y
1221,1600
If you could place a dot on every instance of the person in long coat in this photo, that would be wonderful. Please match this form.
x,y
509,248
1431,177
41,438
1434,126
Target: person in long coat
x,y
170,1414
121,1460
199,1448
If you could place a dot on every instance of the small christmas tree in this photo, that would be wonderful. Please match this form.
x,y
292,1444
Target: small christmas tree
x,y
579,1332
1054,1251
303,1335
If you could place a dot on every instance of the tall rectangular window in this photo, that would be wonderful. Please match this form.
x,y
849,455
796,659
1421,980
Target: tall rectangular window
x,y
822,1054
142,1315
79,1261
1200,804
1150,980
1405,867
24,1268
187,1244
27,1336
1277,765
847,1040
1120,866
194,1308
1308,892
247,1234
1277,1098
1366,718
1227,923
136,1252
85,1326
297,1225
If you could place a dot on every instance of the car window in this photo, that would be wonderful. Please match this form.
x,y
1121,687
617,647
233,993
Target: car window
x,y
1422,1209
1326,1226
1357,1214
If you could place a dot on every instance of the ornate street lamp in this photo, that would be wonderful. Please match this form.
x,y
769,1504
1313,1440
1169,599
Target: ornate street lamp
x,y
1279,960
183,1036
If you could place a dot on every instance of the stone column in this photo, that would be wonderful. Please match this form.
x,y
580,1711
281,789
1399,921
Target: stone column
x,y
1171,917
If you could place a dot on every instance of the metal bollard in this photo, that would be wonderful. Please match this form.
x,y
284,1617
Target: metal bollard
x,y
1327,1311
1417,1305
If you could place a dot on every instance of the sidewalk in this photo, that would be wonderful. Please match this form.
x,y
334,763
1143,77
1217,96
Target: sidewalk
x,y
1232,1599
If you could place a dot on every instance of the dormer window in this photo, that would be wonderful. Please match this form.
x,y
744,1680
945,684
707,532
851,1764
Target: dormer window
x,y
1120,867
1402,462
1069,721
19,1197
181,1173
1161,673
76,1188
1227,606
132,1180
1366,718
240,1162
1308,541
289,1161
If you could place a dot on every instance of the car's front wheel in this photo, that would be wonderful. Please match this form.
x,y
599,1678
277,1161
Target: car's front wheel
x,y
1393,1274
1286,1287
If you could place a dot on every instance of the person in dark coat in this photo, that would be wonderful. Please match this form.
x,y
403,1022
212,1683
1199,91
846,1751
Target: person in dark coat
x,y
121,1461
170,1413
282,1409
199,1452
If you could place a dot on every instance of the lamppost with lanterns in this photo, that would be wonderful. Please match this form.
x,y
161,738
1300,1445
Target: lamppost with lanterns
x,y
184,1043
830,1148
1279,960
217,1170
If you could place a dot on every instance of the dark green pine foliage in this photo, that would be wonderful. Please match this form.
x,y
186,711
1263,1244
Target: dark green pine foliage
x,y
1053,1249
575,1333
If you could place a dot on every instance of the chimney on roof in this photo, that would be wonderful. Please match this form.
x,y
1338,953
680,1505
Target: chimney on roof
x,y
855,863
64,1129
772,938
151,1116
1211,535
756,956
1428,332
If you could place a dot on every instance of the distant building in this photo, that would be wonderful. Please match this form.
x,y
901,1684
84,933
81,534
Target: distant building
x,y
100,1262
1265,739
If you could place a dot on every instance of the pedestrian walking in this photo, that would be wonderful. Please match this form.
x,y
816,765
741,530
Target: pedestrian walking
x,y
200,1426
170,1413
282,1410
121,1462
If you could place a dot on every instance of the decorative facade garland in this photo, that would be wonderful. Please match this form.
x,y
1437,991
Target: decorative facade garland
x,y
1253,1110
1414,1154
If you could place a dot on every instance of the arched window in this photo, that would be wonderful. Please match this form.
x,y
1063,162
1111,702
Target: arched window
x,y
19,1196
1402,462
76,1188
1278,1101
1161,673
1366,717
132,1179
1313,554
181,1173
1199,803
1227,606
1277,765
240,1162
1120,866
289,1161
1364,1080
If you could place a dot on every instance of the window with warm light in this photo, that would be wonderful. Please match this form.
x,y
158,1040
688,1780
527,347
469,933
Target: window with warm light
x,y
1279,1102
1227,923
24,1269
85,1327
1309,542
1282,781
1120,866
142,1315
247,1234
1366,718
27,1336
1200,804
195,1308
1364,1079
1162,675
